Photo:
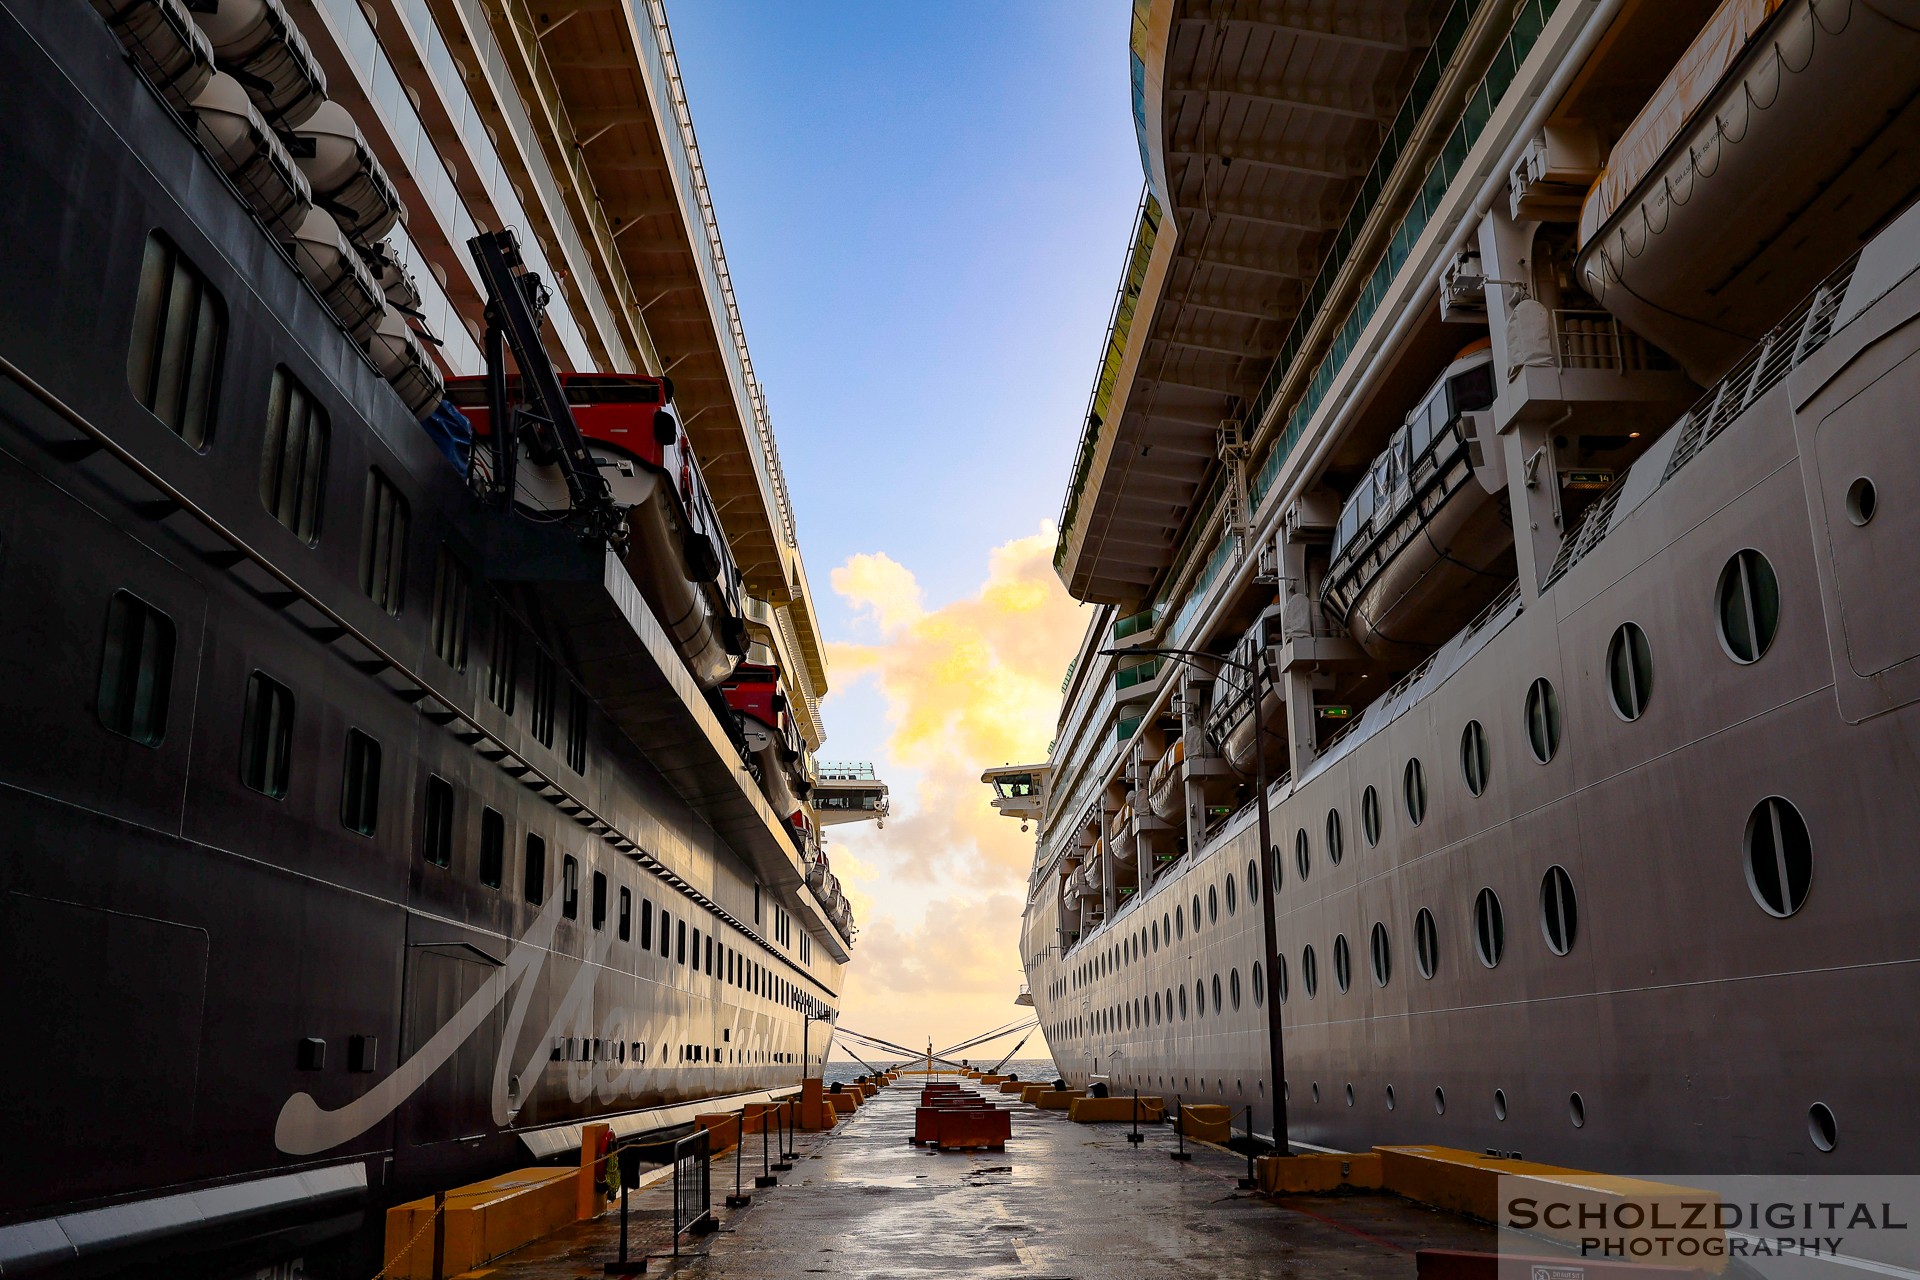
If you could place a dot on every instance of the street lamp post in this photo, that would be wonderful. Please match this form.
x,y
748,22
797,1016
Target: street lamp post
x,y
1256,687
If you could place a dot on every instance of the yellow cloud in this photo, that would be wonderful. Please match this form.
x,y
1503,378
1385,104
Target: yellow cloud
x,y
876,584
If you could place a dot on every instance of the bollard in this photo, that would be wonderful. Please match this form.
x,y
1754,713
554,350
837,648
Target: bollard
x,y
1180,1127
767,1177
1134,1137
629,1157
439,1235
739,1199
1249,1182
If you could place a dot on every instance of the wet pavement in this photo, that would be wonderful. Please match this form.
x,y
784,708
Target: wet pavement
x,y
1063,1200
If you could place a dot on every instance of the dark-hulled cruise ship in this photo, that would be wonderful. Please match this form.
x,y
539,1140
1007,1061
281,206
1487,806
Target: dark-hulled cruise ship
x,y
411,679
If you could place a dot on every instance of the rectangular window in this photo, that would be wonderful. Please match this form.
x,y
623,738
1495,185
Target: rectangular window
x,y
729,963
646,924
293,459
577,704
383,544
709,955
534,878
266,736
493,848
360,784
136,670
173,362
626,914
680,944
570,886
452,602
436,842
666,934
599,900
502,662
546,692
696,950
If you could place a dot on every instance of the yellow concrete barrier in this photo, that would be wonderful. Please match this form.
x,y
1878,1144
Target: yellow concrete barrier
x,y
846,1099
1030,1093
1050,1099
483,1221
1110,1110
1012,1086
991,1078
1207,1122
1316,1174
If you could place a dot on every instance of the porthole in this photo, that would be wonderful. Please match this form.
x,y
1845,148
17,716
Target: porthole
x,y
1180,925
1473,757
1779,857
1543,720
1217,1005
1280,977
1302,853
1159,931
1196,914
1861,501
1821,1126
1370,816
1309,972
1199,998
1559,913
1499,1104
1381,950
1489,928
1335,842
1232,903
1183,1004
1259,985
1342,962
1156,1008
1414,784
1316,1091
1233,987
1349,1093
1275,867
1253,885
1213,905
1749,605
1629,671
1439,1101
1426,943
1576,1111
1390,1102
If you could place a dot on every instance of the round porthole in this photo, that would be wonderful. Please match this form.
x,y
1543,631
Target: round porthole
x,y
1335,841
1629,671
1309,972
1559,913
1381,952
1414,783
1439,1101
1748,600
1342,962
1302,853
1253,885
1426,943
1576,1111
1370,816
1259,985
1543,720
1489,928
1779,857
1473,757
1499,1104
1822,1128
1861,501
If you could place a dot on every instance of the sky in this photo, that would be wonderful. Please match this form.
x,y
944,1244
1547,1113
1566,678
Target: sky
x,y
925,208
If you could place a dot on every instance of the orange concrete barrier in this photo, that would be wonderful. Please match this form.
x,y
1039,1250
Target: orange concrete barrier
x,y
816,1112
1111,1110
1012,1086
483,1221
595,1141
972,1129
1051,1099
846,1099
723,1131
1313,1173
1030,1093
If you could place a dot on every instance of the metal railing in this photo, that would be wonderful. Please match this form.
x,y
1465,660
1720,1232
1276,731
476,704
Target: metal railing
x,y
1593,339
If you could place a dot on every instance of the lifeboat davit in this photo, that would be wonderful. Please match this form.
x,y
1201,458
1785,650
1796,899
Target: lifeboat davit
x,y
252,156
1783,137
338,275
257,39
773,743
1423,543
1229,722
404,363
165,44
347,180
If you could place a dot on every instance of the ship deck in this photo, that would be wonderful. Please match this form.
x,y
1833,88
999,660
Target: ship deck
x,y
1062,1200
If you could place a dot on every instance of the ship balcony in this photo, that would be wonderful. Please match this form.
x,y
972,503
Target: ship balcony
x,y
1019,790
1136,629
1025,998
1138,682
846,792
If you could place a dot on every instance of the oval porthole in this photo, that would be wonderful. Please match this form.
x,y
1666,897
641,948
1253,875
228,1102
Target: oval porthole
x,y
1543,720
1302,853
1779,856
1253,885
1414,783
1232,898
1196,914
1439,1101
1259,985
1349,1093
1748,600
1199,997
1217,1005
1499,1104
1426,943
1861,501
1822,1128
1342,962
1576,1111
1309,972
1390,1101
1489,928
1183,1004
1180,925
1275,867
1213,905
1381,953
1233,987
1559,913
1316,1091
1335,840
1370,816
1473,757
1629,671
1280,977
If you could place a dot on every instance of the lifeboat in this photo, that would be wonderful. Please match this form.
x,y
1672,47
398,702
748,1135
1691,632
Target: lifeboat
x,y
338,275
383,260
404,363
346,179
772,741
1230,723
251,155
1163,784
1422,543
1783,137
165,44
677,552
258,41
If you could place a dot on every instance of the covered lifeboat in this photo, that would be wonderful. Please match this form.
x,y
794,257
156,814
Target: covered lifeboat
x,y
773,743
1230,719
678,553
1423,543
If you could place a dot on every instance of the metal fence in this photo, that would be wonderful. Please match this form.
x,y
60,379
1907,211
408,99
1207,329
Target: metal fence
x,y
693,1186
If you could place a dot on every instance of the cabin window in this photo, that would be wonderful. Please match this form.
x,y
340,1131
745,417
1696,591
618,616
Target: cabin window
x,y
502,665
533,879
383,543
1259,985
1559,913
1779,857
577,704
1183,1004
626,914
436,832
1473,757
1309,972
360,784
1472,389
136,670
569,886
493,848
452,606
266,736
173,361
1414,783
1302,853
1381,948
1280,986
1426,943
709,955
1370,816
680,943
1253,884
1336,841
666,935
1629,671
599,899
293,458
1213,905
646,924
546,691
1342,962
1543,720
1232,896
1489,928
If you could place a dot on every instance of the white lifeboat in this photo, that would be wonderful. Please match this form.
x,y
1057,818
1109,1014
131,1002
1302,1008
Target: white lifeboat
x,y
655,557
251,156
346,179
404,363
258,39
383,260
1163,784
338,275
165,44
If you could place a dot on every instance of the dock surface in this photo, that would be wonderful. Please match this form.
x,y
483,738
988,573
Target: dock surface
x,y
1065,1200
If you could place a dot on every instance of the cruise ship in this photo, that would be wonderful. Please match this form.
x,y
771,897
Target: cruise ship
x,y
1498,728
411,678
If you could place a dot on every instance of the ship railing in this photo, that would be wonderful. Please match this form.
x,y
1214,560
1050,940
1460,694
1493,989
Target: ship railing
x,y
1593,339
847,771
